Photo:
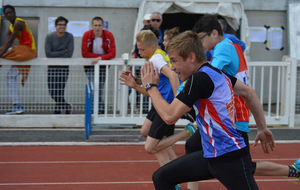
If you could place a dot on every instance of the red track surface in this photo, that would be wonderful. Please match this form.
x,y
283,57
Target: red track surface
x,y
110,168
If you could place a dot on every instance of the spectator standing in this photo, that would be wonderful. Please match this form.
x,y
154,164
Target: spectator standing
x,y
26,50
59,44
146,19
156,21
99,44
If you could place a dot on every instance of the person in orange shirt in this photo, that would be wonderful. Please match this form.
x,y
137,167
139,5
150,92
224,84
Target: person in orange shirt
x,y
26,50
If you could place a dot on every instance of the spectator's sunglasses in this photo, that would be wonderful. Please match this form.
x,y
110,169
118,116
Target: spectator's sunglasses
x,y
157,20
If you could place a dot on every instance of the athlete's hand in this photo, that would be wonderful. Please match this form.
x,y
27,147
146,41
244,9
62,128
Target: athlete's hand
x,y
127,79
149,75
267,140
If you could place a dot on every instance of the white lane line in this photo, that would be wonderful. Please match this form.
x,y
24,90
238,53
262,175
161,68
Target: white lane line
x,y
86,143
129,182
79,162
75,183
274,159
119,161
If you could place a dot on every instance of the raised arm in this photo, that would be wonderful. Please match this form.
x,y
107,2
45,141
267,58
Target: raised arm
x,y
127,79
170,113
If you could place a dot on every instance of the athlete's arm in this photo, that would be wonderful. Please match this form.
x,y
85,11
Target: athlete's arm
x,y
263,133
11,36
170,113
127,79
166,70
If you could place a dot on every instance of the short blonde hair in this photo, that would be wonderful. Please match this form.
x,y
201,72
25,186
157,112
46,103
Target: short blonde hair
x,y
186,43
146,37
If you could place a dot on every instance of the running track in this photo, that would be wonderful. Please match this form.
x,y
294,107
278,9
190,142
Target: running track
x,y
110,167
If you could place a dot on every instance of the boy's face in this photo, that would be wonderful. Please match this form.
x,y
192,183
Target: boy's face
x,y
181,67
146,51
207,40
166,41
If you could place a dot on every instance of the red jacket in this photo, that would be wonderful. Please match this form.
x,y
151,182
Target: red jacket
x,y
108,45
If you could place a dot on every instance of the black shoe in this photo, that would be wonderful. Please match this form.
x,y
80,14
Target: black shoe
x,y
57,112
69,109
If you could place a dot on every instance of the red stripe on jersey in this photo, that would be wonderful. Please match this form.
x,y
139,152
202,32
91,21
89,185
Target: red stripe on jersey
x,y
215,116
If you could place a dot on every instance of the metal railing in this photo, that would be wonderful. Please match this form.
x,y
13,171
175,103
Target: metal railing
x,y
275,85
274,82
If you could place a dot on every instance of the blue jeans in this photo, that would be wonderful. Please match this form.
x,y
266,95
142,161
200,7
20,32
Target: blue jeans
x,y
12,84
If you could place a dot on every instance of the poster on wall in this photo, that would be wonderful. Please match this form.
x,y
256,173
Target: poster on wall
x,y
51,24
274,40
77,28
257,34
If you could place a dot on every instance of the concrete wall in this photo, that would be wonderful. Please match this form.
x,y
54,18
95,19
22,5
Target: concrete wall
x,y
121,16
258,51
271,13
265,4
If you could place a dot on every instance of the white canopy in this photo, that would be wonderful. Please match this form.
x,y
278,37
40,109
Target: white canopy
x,y
231,10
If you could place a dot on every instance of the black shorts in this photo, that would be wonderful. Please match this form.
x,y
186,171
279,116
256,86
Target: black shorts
x,y
193,144
159,128
246,139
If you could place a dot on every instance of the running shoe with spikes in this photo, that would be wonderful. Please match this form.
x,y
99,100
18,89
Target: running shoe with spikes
x,y
191,128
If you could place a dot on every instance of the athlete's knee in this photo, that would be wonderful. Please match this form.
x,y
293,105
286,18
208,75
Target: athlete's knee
x,y
158,179
150,149
155,177
144,132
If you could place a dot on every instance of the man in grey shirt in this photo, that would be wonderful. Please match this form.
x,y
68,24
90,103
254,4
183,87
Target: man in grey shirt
x,y
59,44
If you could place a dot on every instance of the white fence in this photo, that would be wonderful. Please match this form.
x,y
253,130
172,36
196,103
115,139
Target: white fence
x,y
275,85
274,82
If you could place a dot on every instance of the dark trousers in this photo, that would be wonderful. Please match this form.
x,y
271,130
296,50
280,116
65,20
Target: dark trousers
x,y
57,79
233,170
